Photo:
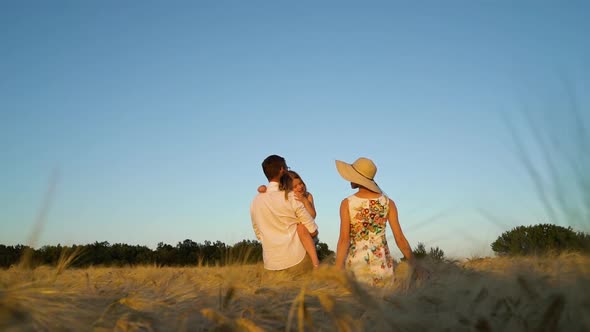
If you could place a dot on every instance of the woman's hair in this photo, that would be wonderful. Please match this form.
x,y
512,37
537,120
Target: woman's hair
x,y
286,183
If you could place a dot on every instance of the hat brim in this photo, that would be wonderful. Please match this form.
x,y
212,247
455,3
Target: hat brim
x,y
350,174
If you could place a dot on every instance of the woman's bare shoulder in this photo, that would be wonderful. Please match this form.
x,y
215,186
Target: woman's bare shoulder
x,y
391,203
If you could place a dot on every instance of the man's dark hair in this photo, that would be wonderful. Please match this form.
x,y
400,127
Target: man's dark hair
x,y
271,166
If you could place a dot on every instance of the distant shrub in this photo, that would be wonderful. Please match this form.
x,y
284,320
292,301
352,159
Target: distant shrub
x,y
540,239
437,254
420,252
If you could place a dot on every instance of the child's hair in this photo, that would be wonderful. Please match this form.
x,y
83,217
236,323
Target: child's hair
x,y
294,176
286,183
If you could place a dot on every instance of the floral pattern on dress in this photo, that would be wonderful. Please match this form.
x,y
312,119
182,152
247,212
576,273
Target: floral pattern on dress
x,y
368,255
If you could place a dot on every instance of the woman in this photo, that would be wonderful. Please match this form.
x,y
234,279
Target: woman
x,y
362,245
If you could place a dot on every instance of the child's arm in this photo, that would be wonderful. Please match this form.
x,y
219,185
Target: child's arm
x,y
307,241
262,189
308,203
311,206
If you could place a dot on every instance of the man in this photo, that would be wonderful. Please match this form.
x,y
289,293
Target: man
x,y
275,221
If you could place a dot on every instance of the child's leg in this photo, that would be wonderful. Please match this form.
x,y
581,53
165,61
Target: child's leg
x,y
308,244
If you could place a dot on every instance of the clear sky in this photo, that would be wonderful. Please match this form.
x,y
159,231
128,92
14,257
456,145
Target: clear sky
x,y
154,116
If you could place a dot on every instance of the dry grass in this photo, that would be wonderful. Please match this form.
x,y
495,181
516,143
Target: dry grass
x,y
499,294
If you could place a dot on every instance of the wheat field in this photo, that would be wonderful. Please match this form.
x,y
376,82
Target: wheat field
x,y
486,294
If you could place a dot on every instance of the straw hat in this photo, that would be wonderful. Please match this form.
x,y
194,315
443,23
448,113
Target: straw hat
x,y
361,172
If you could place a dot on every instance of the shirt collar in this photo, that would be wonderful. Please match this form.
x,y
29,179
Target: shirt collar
x,y
272,186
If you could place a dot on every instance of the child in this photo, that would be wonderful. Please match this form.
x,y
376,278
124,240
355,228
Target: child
x,y
300,191
291,181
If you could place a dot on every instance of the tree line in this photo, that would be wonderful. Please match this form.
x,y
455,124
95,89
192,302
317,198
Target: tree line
x,y
185,253
522,240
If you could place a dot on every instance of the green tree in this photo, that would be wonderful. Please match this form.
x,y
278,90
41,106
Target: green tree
x,y
540,239
188,252
420,252
10,255
246,251
323,251
165,254
436,254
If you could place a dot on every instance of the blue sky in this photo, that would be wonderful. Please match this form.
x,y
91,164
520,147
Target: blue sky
x,y
157,115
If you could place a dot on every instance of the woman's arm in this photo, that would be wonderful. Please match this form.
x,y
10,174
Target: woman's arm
x,y
344,239
398,235
419,271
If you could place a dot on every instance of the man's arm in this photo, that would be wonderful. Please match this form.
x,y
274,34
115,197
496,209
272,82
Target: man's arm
x,y
256,231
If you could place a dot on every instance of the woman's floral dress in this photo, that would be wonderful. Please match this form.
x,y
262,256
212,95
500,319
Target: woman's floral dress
x,y
368,255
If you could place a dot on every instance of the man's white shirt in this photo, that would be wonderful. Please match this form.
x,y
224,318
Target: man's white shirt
x,y
275,220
